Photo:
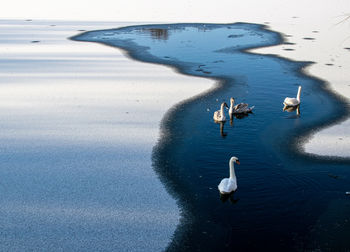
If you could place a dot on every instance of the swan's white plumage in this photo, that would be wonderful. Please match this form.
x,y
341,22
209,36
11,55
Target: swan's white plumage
x,y
219,115
292,102
228,185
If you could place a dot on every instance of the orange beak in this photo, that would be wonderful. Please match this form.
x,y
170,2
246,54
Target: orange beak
x,y
237,162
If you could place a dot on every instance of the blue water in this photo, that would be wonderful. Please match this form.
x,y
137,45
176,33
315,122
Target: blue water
x,y
286,201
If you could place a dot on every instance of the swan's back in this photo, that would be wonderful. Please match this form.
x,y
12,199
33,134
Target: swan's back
x,y
291,101
242,108
227,185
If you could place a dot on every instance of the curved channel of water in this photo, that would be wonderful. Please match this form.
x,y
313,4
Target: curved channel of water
x,y
285,201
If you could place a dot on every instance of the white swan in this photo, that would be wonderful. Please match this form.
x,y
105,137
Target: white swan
x,y
219,115
293,102
228,185
241,108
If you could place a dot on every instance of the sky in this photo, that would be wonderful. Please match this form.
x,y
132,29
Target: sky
x,y
162,10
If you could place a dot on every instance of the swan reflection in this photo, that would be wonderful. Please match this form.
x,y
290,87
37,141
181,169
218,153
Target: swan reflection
x,y
230,197
237,116
231,119
222,133
292,108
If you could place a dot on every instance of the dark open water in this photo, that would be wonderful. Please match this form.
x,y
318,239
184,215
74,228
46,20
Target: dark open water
x,y
286,201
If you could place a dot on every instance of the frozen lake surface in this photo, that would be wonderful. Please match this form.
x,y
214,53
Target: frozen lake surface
x,y
78,124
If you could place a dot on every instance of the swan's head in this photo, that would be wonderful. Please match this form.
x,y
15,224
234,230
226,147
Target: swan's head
x,y
224,104
232,100
235,160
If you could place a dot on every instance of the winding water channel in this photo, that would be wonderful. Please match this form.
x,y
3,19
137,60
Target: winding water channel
x,y
286,201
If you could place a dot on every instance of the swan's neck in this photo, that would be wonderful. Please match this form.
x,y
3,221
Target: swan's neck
x,y
231,106
298,95
232,170
222,109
